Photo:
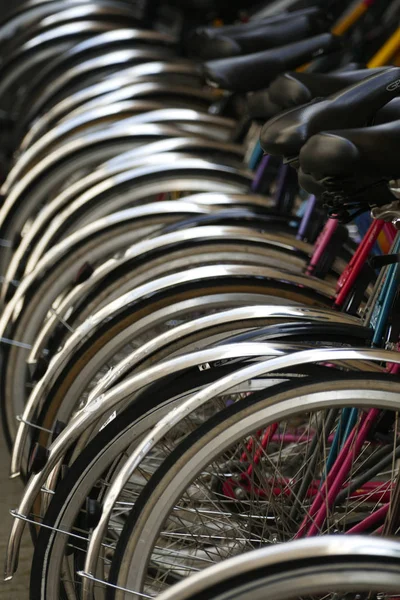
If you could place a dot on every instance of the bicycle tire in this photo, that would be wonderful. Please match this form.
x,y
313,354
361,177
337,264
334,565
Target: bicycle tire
x,y
331,562
94,457
143,512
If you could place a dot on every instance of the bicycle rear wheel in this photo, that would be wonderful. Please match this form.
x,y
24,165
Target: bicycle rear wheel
x,y
256,501
333,567
98,464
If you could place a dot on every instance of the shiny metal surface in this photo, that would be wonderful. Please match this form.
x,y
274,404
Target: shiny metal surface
x,y
46,178
131,90
159,320
131,112
26,192
26,61
275,244
198,399
128,77
217,127
308,550
128,187
243,315
107,401
95,323
87,72
199,333
203,237
125,162
115,133
69,127
279,241
93,50
33,11
132,224
75,14
158,372
390,213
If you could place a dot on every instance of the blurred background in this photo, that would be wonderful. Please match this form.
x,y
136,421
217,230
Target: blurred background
x,y
11,489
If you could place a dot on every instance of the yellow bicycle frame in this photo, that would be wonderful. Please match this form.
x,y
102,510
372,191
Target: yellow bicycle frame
x,y
388,51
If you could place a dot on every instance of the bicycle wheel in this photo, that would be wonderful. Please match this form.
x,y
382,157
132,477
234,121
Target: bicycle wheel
x,y
255,491
91,474
202,285
27,197
126,85
95,468
93,413
332,568
95,119
201,246
73,14
64,214
56,275
27,61
82,65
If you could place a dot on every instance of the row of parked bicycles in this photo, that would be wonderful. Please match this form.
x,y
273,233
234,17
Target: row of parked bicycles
x,y
200,297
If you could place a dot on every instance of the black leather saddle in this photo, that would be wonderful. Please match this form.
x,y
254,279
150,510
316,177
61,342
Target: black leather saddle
x,y
350,169
256,71
354,106
260,106
209,43
372,151
294,89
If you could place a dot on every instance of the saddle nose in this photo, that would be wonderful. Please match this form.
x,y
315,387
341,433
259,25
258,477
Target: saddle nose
x,y
285,134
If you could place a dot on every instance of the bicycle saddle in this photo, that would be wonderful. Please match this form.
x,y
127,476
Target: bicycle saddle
x,y
259,106
354,106
389,112
310,184
256,71
211,43
230,31
294,89
368,151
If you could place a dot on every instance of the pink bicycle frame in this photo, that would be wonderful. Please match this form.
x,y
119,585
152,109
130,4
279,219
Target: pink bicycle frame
x,y
349,276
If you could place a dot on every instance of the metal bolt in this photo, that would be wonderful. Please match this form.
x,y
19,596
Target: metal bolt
x,y
240,493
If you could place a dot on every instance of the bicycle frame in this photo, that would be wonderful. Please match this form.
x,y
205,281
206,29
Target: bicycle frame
x,y
347,441
325,491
